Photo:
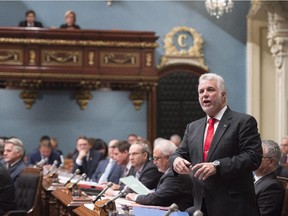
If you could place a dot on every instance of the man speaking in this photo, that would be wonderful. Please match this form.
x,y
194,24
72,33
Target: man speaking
x,y
221,150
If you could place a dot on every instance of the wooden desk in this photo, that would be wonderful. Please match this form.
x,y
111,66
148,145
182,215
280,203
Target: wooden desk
x,y
83,211
65,203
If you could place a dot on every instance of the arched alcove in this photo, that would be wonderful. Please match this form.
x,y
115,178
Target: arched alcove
x,y
177,98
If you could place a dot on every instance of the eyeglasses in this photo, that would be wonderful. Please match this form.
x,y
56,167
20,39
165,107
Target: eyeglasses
x,y
267,157
283,145
157,158
135,153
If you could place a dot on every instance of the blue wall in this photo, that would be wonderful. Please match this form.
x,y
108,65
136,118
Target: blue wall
x,y
57,115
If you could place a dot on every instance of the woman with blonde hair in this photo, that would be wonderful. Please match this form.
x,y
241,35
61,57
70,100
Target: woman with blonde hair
x,y
70,21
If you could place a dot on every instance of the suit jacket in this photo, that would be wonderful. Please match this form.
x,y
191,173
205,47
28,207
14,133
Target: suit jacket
x,y
237,145
114,175
36,24
150,175
171,189
16,170
7,191
35,157
283,159
270,194
89,166
65,26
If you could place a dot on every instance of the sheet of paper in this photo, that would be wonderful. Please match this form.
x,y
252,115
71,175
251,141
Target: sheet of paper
x,y
135,185
142,211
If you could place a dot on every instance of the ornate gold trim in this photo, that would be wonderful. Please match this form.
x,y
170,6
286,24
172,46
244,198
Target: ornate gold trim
x,y
137,97
83,97
96,43
29,97
119,59
61,58
192,56
11,56
77,76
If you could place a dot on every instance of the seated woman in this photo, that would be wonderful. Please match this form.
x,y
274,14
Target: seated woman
x,y
70,21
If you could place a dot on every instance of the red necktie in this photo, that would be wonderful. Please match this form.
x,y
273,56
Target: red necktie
x,y
209,137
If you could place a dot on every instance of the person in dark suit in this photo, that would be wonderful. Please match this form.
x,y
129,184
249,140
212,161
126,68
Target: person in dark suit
x,y
86,159
284,151
170,189
108,170
30,20
70,21
44,152
221,162
145,171
7,191
13,157
269,191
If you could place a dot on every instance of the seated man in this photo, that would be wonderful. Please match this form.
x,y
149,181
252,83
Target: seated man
x,y
13,157
145,171
7,191
44,152
30,20
108,170
86,159
269,191
171,189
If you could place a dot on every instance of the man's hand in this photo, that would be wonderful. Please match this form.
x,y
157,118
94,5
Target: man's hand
x,y
131,196
204,170
182,166
82,154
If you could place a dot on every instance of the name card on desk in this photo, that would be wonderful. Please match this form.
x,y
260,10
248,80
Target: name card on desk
x,y
142,211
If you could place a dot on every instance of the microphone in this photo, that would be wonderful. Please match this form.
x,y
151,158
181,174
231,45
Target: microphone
x,y
82,177
62,159
77,171
103,191
172,208
52,167
198,213
41,162
122,193
55,171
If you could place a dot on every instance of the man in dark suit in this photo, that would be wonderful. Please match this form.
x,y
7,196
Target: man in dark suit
x,y
145,171
13,157
269,191
7,191
284,151
86,159
30,20
221,162
44,152
170,189
108,170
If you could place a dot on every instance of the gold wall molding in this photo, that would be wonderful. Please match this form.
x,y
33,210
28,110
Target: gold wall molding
x,y
119,59
183,45
92,43
61,58
11,56
77,76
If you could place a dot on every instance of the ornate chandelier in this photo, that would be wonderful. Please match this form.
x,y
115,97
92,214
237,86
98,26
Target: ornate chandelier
x,y
218,7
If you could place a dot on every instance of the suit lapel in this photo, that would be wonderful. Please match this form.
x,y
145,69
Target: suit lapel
x,y
221,129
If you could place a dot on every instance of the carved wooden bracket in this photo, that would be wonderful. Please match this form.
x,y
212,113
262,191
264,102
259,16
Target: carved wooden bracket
x,y
83,97
29,97
137,97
